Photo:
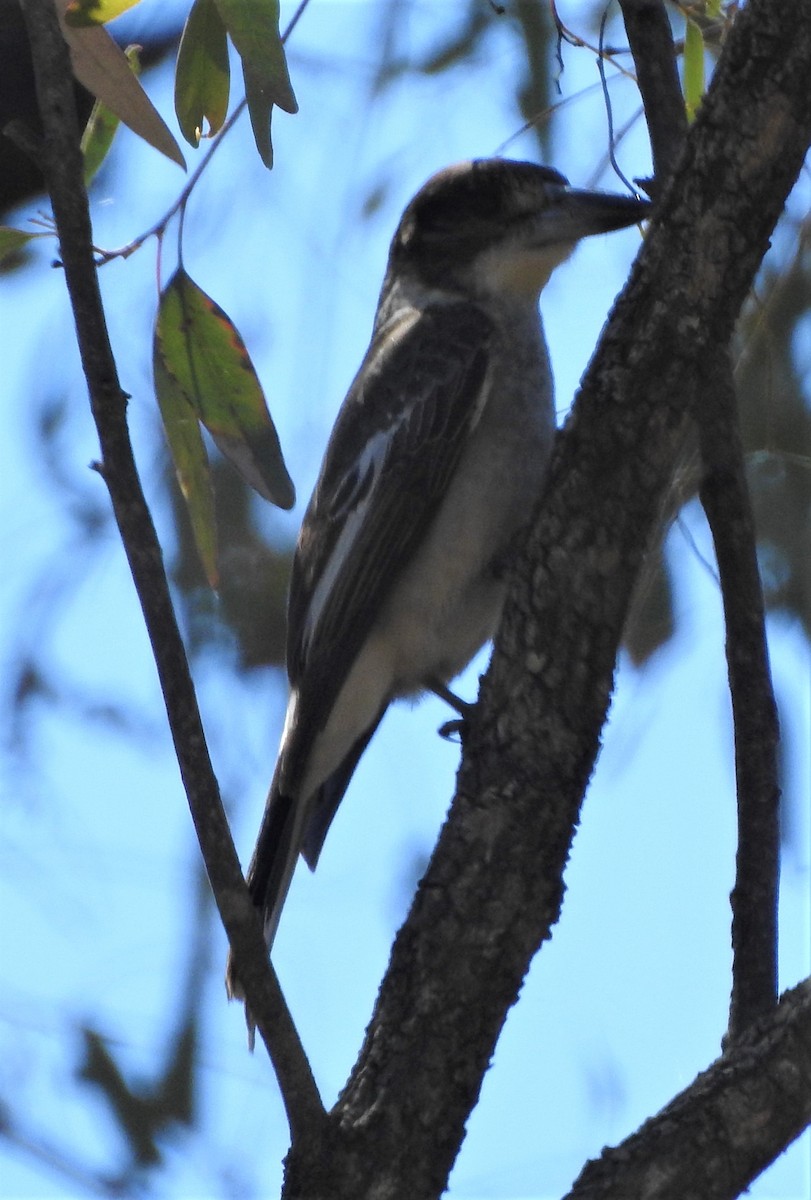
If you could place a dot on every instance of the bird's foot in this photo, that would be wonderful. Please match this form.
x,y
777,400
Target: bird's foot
x,y
463,707
450,730
453,731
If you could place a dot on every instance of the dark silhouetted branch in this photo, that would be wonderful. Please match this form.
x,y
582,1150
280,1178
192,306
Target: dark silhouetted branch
x,y
725,497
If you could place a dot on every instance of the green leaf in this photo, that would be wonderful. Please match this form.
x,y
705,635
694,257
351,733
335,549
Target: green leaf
x,y
102,67
260,110
81,13
102,125
13,240
189,456
254,29
203,352
203,74
693,69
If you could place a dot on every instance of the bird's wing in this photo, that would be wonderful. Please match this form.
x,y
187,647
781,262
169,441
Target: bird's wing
x,y
392,453
394,449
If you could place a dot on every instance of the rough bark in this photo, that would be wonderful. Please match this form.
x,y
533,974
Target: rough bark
x,y
759,1096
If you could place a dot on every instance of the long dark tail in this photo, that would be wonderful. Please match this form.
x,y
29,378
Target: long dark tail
x,y
324,804
271,868
289,827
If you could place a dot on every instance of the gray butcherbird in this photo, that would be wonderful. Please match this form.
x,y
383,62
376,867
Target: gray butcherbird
x,y
436,460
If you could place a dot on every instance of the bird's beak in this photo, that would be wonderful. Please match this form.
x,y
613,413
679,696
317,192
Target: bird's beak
x,y
547,237
578,214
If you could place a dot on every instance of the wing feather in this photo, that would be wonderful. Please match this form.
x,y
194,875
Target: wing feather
x,y
393,452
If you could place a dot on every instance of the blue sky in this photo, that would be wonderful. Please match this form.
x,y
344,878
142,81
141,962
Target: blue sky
x,y
629,1000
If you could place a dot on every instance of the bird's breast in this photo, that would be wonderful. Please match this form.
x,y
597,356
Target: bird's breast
x,y
448,601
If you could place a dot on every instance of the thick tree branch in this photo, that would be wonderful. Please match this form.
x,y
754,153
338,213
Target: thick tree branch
x,y
725,498
62,164
759,1095
493,888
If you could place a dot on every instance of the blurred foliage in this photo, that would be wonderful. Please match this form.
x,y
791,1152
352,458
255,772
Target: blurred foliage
x,y
774,389
143,1110
527,21
148,1111
253,575
773,379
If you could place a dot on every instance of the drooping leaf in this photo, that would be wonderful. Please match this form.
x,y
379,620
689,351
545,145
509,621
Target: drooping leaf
x,y
203,352
202,76
102,125
102,67
253,26
260,111
81,13
189,456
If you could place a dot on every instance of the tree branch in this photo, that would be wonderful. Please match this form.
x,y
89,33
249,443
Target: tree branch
x,y
494,885
759,1095
62,163
725,497
651,42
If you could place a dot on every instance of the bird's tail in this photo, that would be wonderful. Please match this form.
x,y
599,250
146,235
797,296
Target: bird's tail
x,y
271,868
292,823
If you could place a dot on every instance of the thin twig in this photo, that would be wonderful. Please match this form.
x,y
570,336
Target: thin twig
x,y
574,39
609,112
63,172
156,230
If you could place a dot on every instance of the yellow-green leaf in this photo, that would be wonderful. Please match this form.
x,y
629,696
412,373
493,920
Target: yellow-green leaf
x,y
13,240
202,351
102,125
102,67
202,76
693,69
253,26
80,13
189,456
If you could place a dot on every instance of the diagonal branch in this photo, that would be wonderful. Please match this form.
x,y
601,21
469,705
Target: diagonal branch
x,y
759,1094
63,172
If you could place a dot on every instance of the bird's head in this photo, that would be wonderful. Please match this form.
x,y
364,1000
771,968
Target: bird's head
x,y
496,227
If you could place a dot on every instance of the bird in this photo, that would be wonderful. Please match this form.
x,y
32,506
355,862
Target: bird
x,y
436,462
